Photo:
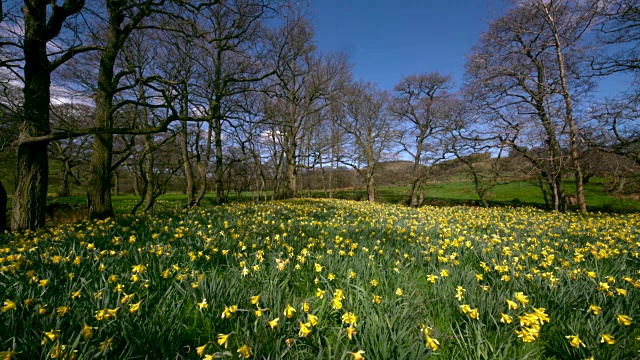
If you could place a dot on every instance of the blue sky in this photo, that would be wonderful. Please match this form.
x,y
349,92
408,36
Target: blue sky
x,y
386,39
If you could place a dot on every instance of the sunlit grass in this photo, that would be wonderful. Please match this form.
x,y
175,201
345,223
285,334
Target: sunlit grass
x,y
326,279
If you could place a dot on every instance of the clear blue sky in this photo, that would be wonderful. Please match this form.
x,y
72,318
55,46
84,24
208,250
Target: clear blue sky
x,y
387,39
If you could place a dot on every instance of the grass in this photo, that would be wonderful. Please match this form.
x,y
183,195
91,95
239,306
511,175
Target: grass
x,y
325,279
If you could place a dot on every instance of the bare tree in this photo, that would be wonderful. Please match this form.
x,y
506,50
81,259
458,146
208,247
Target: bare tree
x,y
304,82
421,102
370,131
526,88
472,143
232,60
568,22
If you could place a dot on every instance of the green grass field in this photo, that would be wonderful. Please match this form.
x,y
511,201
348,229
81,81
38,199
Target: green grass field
x,y
325,279
517,193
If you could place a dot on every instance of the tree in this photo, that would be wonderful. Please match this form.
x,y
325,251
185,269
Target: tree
x,y
526,70
122,20
232,59
421,102
370,131
44,22
304,82
471,142
567,22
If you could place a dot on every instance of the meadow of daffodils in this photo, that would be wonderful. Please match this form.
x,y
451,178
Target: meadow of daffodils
x,y
325,279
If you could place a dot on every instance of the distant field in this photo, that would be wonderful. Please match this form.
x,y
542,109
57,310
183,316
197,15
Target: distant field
x,y
521,193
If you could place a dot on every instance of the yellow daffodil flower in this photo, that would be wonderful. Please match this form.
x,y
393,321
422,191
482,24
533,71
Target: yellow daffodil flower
x,y
575,341
223,339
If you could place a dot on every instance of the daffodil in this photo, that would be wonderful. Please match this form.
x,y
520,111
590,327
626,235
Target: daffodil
x,y
506,319
200,349
521,298
255,299
305,329
8,305
50,336
351,331
624,320
432,343
575,341
336,304
289,311
223,339
274,323
313,320
134,307
226,313
358,355
349,318
474,313
512,304
606,338
62,310
244,351
87,331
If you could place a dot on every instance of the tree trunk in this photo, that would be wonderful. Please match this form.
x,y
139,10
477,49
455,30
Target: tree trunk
x,y
371,188
63,190
188,168
203,166
147,173
116,180
573,131
136,182
3,208
30,197
290,189
99,182
544,191
219,171
415,183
